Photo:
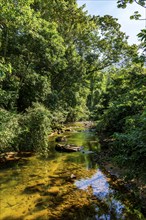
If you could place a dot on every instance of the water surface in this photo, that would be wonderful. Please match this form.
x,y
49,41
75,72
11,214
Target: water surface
x,y
63,186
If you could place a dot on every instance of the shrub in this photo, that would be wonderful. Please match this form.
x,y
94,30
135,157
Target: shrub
x,y
35,125
130,146
9,130
58,118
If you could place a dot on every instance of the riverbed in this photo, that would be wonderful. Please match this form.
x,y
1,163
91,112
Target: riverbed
x,y
65,185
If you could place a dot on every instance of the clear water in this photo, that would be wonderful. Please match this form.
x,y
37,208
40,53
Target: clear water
x,y
62,186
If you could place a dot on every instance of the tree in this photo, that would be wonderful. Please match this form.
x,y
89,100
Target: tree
x,y
122,115
123,4
56,59
30,44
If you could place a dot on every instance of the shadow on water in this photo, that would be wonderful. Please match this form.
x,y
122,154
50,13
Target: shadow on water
x,y
64,186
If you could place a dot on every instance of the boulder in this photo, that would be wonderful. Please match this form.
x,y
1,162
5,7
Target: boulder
x,y
68,148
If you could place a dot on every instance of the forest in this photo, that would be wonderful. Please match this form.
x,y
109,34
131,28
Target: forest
x,y
61,66
58,65
65,67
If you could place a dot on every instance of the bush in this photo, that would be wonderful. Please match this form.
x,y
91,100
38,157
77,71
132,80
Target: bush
x,y
130,146
35,125
9,130
58,118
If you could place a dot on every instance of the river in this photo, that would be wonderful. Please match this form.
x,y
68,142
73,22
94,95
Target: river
x,y
64,186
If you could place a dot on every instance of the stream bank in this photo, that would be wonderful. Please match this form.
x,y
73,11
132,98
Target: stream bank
x,y
136,185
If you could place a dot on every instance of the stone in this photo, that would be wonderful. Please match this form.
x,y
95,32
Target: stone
x,y
67,148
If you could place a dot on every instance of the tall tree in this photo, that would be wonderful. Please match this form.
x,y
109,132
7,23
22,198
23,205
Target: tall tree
x,y
31,44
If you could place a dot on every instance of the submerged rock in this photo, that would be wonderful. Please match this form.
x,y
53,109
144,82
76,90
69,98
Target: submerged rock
x,y
87,151
53,191
32,189
68,129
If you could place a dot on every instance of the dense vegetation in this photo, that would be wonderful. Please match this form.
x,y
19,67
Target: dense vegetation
x,y
59,64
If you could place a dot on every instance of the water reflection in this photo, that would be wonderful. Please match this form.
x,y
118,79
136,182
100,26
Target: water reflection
x,y
86,139
101,189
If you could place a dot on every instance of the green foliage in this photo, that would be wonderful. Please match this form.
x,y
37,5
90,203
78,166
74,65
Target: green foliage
x,y
58,118
9,89
35,125
9,130
59,60
123,3
142,37
77,114
136,16
123,116
124,96
35,88
130,146
9,85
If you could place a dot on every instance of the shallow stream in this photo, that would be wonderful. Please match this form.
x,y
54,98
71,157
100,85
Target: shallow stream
x,y
64,186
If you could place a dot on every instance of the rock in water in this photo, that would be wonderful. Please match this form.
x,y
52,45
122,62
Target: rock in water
x,y
67,148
